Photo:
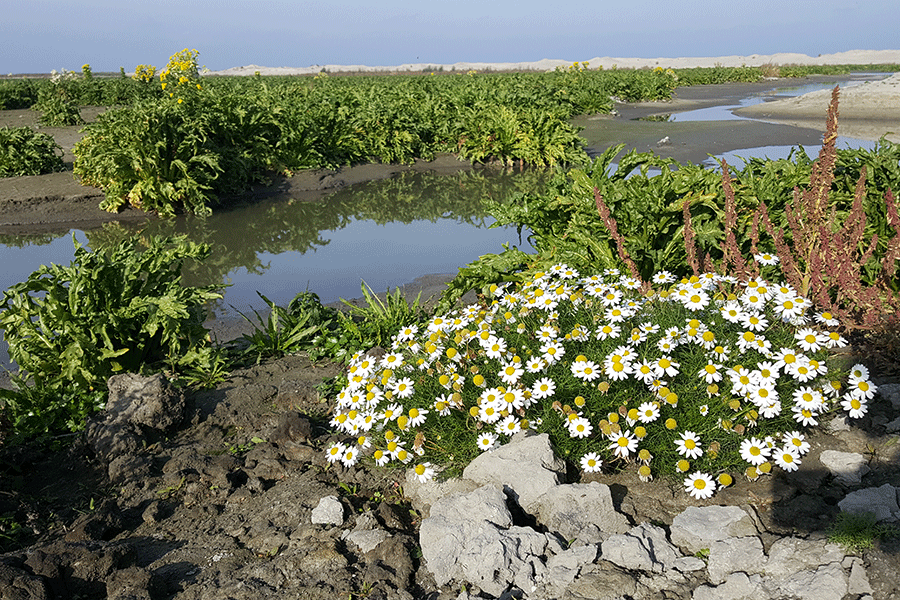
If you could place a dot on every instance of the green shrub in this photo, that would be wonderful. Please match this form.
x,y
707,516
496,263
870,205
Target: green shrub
x,y
58,101
155,156
24,151
17,93
123,310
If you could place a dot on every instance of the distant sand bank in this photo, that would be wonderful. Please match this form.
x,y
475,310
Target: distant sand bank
x,y
851,57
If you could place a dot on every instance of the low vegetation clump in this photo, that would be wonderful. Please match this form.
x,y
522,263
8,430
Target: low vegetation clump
x,y
857,532
70,328
24,151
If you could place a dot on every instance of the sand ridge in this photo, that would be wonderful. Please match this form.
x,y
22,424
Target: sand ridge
x,y
851,57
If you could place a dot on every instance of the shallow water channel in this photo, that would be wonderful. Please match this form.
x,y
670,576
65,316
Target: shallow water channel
x,y
386,233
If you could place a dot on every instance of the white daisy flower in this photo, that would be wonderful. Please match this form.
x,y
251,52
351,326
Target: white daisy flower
x,y
535,364
696,300
417,416
699,486
424,472
662,277
511,372
710,373
580,428
494,347
487,441
617,370
755,321
335,452
552,352
350,456
766,259
591,463
754,451
796,440
623,443
861,388
381,457
509,426
403,388
809,339
543,388
835,340
689,445
586,370
805,416
807,397
665,365
608,331
856,407
787,458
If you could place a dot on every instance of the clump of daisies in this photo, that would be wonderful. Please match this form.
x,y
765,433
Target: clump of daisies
x,y
704,379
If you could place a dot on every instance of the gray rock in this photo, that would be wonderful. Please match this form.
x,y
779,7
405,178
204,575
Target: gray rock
x,y
564,567
602,581
643,548
858,582
880,501
839,423
136,404
893,426
791,555
699,526
580,512
470,537
828,582
847,467
526,467
744,554
367,539
329,511
738,586
423,495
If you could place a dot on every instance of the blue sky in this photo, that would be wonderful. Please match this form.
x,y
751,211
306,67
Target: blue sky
x,y
41,35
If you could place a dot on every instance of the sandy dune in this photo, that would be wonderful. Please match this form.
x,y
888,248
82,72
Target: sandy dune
x,y
851,57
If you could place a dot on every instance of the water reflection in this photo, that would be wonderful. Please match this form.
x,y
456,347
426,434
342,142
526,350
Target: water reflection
x,y
385,232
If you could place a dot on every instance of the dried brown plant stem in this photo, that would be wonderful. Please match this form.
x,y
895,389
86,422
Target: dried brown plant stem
x,y
823,259
610,223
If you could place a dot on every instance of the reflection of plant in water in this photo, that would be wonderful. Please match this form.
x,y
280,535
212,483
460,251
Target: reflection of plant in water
x,y
294,226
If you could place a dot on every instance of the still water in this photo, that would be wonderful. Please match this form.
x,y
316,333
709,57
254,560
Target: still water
x,y
386,232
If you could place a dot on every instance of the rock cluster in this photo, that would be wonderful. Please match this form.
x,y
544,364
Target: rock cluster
x,y
510,529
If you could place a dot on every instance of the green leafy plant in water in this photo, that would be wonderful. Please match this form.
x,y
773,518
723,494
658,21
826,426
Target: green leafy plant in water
x,y
287,330
374,324
24,151
70,328
359,328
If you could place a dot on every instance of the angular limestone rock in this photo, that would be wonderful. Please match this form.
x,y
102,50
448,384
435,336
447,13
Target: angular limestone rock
x,y
698,527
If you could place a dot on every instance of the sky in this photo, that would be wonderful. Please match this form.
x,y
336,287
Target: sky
x,y
41,35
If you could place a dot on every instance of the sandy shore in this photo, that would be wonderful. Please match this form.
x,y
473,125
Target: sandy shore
x,y
868,111
851,57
